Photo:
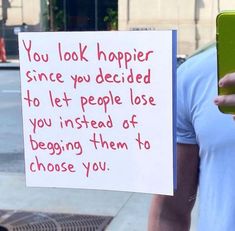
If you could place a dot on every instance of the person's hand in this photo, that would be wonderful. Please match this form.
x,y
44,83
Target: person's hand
x,y
226,100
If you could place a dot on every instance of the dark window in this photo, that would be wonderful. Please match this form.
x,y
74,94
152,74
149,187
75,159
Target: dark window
x,y
81,15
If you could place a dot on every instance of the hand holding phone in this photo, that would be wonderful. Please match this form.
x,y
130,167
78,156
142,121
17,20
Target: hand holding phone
x,y
225,43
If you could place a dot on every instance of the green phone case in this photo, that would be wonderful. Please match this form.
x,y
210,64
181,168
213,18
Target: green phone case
x,y
225,43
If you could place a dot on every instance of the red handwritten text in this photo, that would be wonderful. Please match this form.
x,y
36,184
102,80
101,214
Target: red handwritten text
x,y
141,99
95,167
142,144
37,57
38,166
123,57
84,122
55,148
99,142
40,123
42,76
104,101
59,102
121,78
77,79
74,55
32,101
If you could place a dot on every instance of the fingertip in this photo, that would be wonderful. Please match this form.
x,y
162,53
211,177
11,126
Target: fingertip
x,y
221,83
217,100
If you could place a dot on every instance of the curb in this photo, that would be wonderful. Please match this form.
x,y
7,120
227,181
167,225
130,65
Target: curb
x,y
10,65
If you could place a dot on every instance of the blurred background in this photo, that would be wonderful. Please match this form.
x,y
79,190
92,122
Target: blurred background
x,y
194,20
195,23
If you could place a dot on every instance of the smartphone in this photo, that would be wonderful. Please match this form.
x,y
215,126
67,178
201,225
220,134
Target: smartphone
x,y
225,44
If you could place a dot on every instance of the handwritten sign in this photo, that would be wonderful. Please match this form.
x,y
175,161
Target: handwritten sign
x,y
98,110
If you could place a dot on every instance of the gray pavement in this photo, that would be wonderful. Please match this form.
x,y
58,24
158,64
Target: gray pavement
x,y
130,210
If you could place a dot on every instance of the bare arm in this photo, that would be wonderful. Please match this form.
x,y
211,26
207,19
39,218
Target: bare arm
x,y
174,213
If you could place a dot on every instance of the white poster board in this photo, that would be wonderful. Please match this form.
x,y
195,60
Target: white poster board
x,y
98,110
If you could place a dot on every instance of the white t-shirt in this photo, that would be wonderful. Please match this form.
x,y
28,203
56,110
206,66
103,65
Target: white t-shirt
x,y
200,122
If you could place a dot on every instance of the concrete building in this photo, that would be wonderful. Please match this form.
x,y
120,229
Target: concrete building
x,y
53,15
194,20
20,15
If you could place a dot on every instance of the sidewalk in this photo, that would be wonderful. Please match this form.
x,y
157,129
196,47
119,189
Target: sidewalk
x,y
129,210
10,64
